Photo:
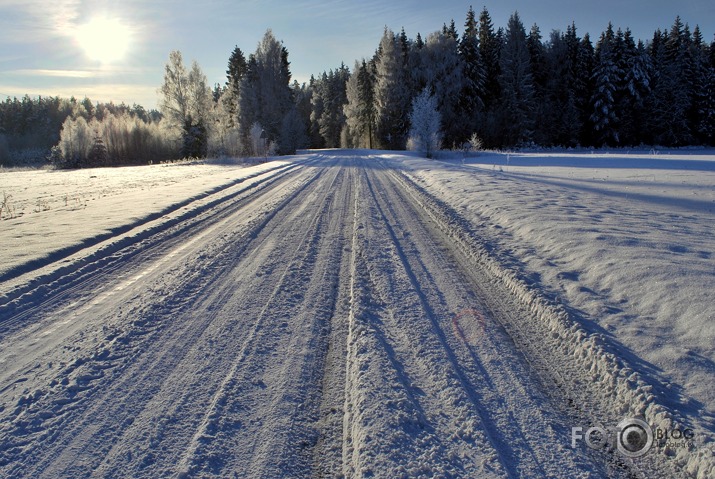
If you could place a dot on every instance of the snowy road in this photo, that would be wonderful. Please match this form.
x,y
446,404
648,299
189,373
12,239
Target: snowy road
x,y
323,321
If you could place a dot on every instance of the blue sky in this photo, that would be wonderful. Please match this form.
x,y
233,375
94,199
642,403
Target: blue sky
x,y
40,52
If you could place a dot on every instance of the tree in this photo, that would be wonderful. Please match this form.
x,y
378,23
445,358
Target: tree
x,y
329,100
98,155
606,79
516,107
392,97
184,93
489,51
471,99
293,136
360,109
443,75
265,93
186,99
425,135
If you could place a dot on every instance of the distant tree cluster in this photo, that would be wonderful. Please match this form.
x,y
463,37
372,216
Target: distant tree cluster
x,y
108,139
513,88
72,133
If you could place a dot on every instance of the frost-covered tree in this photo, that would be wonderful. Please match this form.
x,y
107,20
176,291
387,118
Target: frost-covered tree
x,y
425,131
392,97
443,74
76,141
360,109
265,95
186,99
184,93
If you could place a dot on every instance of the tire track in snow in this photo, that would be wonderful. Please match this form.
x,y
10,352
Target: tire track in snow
x,y
287,308
67,275
157,315
401,276
580,399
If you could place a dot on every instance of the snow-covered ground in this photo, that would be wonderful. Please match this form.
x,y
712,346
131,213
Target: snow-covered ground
x,y
625,239
356,314
51,213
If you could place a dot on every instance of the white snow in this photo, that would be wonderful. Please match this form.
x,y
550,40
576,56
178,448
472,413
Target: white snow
x,y
214,335
51,213
624,240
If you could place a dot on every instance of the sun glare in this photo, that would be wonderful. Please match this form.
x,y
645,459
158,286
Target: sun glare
x,y
103,39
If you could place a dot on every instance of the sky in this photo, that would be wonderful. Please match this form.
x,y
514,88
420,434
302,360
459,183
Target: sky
x,y
116,50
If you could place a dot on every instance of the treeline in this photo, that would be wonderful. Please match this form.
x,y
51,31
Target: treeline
x,y
73,133
497,88
513,88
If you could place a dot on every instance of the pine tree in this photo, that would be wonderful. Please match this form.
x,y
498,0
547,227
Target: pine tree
x,y
392,98
516,105
360,109
471,99
98,154
265,93
542,75
637,90
669,102
237,68
699,119
584,88
603,102
489,51
329,100
292,136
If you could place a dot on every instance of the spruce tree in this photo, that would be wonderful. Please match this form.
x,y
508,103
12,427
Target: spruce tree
x,y
489,51
516,105
471,99
265,93
360,109
392,98
603,102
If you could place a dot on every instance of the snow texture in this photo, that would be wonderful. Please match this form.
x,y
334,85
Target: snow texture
x,y
357,314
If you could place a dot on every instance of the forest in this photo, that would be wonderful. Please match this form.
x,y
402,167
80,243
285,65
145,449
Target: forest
x,y
484,87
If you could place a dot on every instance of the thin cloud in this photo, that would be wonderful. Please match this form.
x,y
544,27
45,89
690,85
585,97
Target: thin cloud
x,y
56,73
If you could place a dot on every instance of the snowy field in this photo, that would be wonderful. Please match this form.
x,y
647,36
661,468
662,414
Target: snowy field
x,y
626,239
49,214
357,314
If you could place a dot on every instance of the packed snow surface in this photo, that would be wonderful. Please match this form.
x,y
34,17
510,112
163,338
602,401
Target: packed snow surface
x,y
357,314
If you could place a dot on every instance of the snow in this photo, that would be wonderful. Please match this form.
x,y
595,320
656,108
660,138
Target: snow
x,y
623,240
53,213
308,316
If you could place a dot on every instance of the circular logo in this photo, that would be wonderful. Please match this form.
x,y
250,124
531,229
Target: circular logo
x,y
635,437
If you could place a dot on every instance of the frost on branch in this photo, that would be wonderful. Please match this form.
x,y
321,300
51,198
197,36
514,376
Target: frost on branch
x,y
425,135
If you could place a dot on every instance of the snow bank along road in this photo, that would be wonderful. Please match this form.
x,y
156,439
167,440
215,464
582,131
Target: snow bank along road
x,y
329,318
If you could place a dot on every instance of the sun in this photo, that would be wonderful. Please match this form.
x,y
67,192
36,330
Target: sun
x,y
104,39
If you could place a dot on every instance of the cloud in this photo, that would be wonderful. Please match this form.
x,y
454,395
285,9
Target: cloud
x,y
56,73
